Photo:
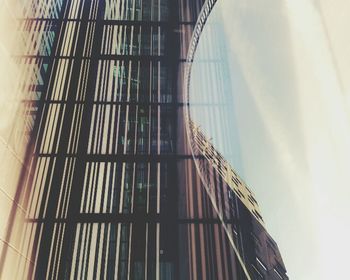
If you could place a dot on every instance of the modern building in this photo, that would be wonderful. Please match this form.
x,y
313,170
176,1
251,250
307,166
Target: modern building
x,y
108,186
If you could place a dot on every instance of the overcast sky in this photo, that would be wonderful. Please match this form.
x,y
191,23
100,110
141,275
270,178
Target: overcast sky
x,y
289,69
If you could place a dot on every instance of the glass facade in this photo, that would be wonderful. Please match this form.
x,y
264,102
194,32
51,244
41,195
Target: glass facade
x,y
211,128
107,187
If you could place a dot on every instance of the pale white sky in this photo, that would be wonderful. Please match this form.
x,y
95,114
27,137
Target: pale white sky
x,y
289,70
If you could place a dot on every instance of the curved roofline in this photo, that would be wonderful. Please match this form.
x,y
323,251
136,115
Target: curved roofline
x,y
197,31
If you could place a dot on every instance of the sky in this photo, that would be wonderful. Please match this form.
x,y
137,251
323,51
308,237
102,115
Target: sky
x,y
289,64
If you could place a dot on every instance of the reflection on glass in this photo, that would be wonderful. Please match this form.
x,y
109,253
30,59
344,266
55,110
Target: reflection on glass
x,y
213,134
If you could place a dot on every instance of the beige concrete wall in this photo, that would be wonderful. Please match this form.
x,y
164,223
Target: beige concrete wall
x,y
14,77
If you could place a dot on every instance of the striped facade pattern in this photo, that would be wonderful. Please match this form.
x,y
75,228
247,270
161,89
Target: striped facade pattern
x,y
108,188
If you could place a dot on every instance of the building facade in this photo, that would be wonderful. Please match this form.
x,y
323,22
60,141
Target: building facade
x,y
109,188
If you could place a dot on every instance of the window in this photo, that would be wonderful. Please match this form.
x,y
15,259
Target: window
x,y
261,263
